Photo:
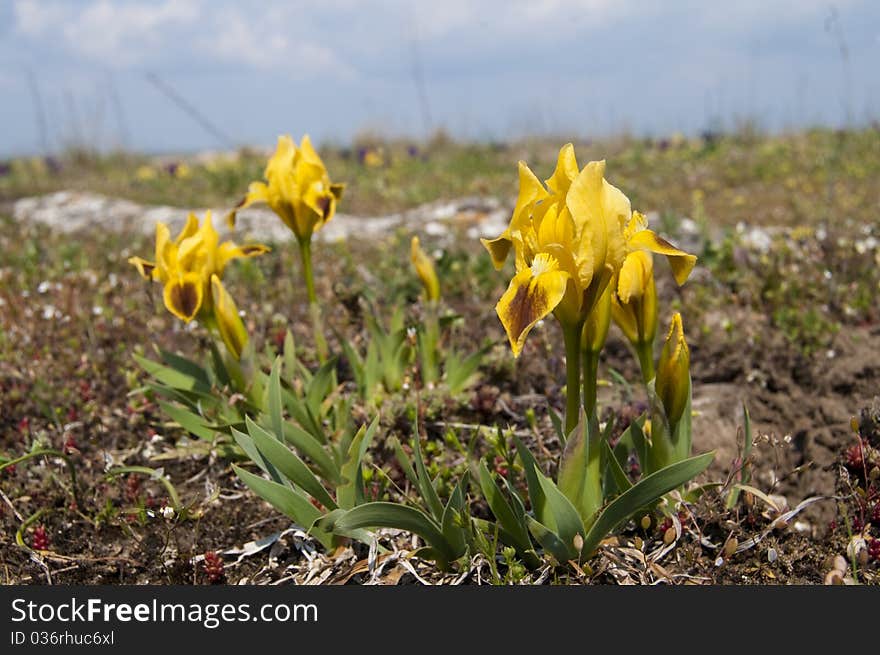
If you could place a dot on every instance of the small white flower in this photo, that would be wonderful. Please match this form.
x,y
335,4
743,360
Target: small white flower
x,y
44,286
167,512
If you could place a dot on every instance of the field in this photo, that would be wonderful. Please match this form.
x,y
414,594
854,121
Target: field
x,y
780,313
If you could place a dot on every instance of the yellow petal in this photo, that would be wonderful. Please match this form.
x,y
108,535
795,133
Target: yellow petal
x,y
190,228
566,170
498,249
166,253
625,319
229,323
183,295
533,293
681,262
229,251
281,162
637,269
425,269
257,192
145,268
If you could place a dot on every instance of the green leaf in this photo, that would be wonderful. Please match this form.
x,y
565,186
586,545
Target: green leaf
x,y
289,356
639,440
220,372
455,534
509,521
551,542
321,386
307,445
536,493
645,492
300,413
185,366
426,487
246,443
566,520
745,475
289,502
291,466
404,461
192,423
391,515
173,378
351,492
572,476
273,400
556,420
618,475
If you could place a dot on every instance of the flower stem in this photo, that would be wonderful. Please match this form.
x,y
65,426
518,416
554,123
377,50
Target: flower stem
x,y
645,352
305,251
572,336
590,374
430,369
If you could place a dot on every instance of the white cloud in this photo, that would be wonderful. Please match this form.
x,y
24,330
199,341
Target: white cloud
x,y
114,33
269,41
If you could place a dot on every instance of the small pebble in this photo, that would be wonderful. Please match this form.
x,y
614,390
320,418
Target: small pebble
x,y
772,555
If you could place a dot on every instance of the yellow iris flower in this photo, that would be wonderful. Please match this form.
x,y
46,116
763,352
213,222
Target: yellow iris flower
x,y
297,188
570,238
190,269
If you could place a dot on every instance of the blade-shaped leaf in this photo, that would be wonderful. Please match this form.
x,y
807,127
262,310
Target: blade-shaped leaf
x,y
566,521
454,533
351,492
289,502
551,542
618,475
536,493
426,486
172,377
288,464
246,443
185,366
192,423
273,400
502,510
307,445
645,492
404,461
391,515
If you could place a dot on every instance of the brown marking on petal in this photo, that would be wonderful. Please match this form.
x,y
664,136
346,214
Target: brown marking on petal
x,y
185,298
145,269
523,309
663,242
241,203
323,204
253,249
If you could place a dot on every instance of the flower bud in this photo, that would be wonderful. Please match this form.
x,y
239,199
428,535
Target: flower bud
x,y
673,372
425,269
229,323
596,327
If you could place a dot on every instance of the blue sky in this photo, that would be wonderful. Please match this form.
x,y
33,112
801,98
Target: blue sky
x,y
490,69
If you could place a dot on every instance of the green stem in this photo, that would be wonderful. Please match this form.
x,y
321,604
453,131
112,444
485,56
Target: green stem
x,y
431,372
572,337
645,352
305,251
590,375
